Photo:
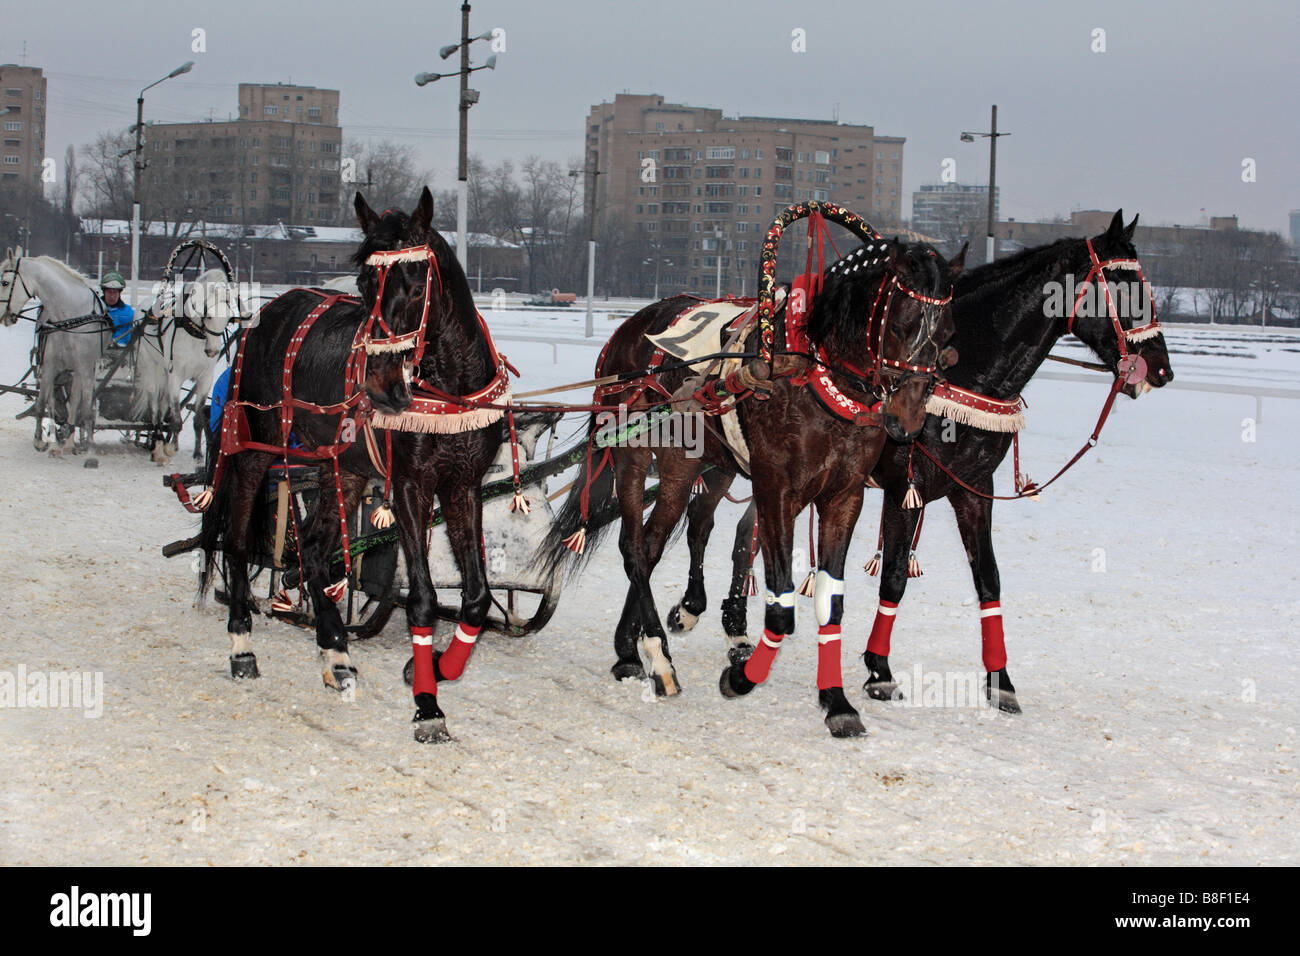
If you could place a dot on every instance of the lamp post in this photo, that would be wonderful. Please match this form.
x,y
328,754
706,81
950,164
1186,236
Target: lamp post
x,y
140,165
468,98
593,172
717,237
992,137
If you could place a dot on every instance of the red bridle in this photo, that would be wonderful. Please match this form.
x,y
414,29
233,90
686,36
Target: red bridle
x,y
383,261
879,316
1131,368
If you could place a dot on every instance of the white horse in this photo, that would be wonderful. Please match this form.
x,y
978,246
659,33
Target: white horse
x,y
64,293
175,349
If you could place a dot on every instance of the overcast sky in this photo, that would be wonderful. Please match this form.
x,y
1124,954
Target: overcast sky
x,y
1160,123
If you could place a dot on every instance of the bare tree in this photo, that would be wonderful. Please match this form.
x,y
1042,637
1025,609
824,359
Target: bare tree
x,y
108,176
387,173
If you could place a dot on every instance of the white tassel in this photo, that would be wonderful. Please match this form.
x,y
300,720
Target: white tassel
x,y
913,498
382,517
520,503
577,541
336,590
871,482
282,602
809,584
203,499
699,487
872,567
750,587
913,566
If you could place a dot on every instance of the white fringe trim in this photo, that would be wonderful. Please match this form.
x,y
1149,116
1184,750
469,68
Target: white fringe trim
x,y
947,408
449,423
1142,335
1132,265
386,345
401,255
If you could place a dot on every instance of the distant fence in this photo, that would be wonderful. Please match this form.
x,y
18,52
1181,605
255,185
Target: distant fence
x,y
1259,392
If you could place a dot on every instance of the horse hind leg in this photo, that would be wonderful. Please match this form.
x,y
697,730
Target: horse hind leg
x,y
320,537
835,523
245,477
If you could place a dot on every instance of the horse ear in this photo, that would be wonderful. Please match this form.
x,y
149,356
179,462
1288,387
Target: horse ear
x,y
1116,228
9,252
958,262
1131,228
423,215
366,217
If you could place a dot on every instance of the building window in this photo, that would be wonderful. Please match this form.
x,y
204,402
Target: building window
x,y
272,110
14,127
313,112
12,160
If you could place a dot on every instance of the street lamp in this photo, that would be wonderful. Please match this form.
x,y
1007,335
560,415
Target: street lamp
x,y
468,98
140,165
593,172
992,137
717,238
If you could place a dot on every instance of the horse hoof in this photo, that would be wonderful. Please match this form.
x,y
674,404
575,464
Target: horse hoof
x,y
40,446
883,690
739,653
667,685
1003,695
429,722
733,682
244,666
628,671
91,463
340,677
680,619
408,672
845,725
841,718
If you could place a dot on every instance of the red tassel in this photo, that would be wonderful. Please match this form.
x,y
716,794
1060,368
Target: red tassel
x,y
913,566
336,590
520,503
750,587
809,584
282,602
577,541
872,567
699,487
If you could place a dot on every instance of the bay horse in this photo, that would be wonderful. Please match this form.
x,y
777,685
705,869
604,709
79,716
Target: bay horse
x,y
414,291
1006,326
800,452
66,297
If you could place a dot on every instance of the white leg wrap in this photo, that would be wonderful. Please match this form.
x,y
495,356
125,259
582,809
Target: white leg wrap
x,y
825,588
785,600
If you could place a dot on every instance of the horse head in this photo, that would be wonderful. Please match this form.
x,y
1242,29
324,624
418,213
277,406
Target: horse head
x,y
14,293
887,308
401,292
1114,311
210,303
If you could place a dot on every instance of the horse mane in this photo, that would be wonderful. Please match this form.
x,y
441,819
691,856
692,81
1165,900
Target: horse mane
x,y
67,270
995,277
841,311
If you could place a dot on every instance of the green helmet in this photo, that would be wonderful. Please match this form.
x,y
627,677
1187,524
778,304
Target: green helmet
x,y
113,280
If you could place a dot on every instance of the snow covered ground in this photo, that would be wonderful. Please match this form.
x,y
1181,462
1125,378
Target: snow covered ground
x,y
1152,612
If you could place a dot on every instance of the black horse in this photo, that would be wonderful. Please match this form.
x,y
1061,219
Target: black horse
x,y
415,322
882,325
1008,318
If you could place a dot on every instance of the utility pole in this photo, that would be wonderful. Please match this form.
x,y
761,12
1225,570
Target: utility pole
x,y
462,174
992,136
593,172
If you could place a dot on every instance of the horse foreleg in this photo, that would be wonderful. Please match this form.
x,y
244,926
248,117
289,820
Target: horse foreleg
x,y
735,606
836,518
463,506
975,523
320,537
245,476
413,516
898,524
776,513
685,614
630,468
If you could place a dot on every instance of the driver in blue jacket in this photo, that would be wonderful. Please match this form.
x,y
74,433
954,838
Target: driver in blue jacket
x,y
122,315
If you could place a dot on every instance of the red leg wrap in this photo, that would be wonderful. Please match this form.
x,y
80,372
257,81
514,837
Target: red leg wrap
x,y
452,662
759,664
878,643
991,641
422,651
828,657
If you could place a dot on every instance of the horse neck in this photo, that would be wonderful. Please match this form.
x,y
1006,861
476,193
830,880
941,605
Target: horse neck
x,y
61,296
1004,336
455,353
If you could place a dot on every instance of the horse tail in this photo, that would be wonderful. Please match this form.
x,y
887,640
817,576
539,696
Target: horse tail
x,y
571,529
